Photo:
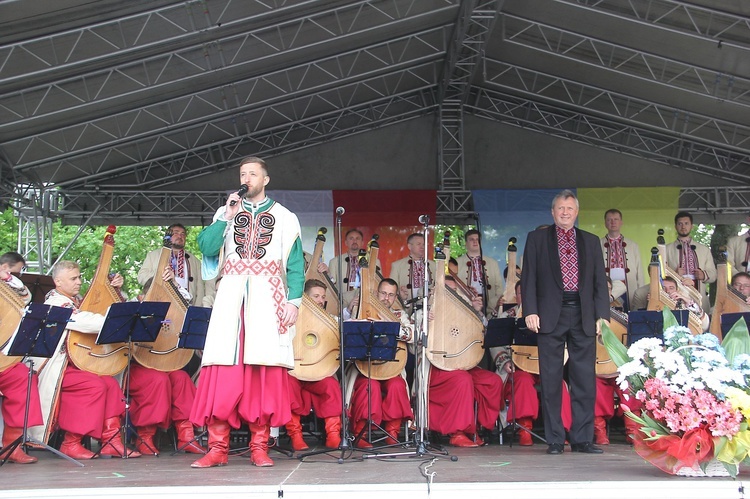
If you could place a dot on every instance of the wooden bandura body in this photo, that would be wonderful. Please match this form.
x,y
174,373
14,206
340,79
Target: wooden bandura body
x,y
316,344
11,313
332,293
605,368
163,354
456,335
370,307
728,300
509,295
104,360
694,294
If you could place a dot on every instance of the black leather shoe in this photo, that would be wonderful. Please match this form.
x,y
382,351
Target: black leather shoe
x,y
555,449
586,448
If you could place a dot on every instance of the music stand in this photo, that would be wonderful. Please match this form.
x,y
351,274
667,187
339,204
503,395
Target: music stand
x,y
193,337
38,285
38,335
131,322
728,320
370,341
650,324
509,331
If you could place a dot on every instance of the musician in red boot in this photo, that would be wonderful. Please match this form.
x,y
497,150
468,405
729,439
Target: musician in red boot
x,y
323,396
88,404
256,243
14,379
389,398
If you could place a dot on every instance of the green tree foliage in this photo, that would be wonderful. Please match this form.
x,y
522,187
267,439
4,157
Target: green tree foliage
x,y
457,241
8,231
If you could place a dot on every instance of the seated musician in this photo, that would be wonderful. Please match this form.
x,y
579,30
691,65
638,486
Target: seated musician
x,y
354,241
88,404
604,408
323,396
522,395
452,395
409,272
14,379
684,302
158,400
741,282
390,403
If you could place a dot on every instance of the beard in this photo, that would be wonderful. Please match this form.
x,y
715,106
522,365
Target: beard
x,y
253,192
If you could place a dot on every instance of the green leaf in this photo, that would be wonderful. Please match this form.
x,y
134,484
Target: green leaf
x,y
669,319
617,351
737,340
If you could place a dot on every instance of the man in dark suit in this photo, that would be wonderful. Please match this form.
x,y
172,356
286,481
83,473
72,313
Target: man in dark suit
x,y
565,292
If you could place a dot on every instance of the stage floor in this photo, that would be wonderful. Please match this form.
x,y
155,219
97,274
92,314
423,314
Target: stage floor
x,y
520,472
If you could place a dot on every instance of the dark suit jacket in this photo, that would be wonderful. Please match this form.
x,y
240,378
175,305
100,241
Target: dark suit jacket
x,y
542,285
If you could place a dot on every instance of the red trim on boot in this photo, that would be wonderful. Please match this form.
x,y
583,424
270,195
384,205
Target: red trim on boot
x,y
392,428
600,431
145,442
524,437
111,441
358,428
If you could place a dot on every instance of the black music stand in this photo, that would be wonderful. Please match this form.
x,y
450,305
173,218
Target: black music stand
x,y
193,337
38,335
131,322
370,341
38,285
650,324
509,331
728,320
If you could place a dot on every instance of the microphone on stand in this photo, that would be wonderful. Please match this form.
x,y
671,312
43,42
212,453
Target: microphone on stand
x,y
340,211
240,192
424,219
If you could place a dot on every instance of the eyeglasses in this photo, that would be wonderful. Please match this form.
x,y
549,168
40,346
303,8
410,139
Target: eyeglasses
x,y
387,295
742,286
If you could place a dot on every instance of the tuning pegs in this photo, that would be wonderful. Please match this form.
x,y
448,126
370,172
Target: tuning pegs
x,y
660,232
512,241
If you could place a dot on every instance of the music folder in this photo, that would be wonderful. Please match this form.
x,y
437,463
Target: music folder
x,y
650,323
40,330
374,339
194,329
500,332
132,321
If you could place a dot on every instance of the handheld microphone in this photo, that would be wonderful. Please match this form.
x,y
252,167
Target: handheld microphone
x,y
240,192
424,219
340,211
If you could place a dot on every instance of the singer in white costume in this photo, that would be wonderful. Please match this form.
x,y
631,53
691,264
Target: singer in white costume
x,y
249,341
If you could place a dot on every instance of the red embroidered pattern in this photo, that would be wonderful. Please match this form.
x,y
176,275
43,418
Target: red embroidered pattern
x,y
252,267
566,244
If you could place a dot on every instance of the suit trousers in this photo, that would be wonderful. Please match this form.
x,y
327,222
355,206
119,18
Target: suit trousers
x,y
581,377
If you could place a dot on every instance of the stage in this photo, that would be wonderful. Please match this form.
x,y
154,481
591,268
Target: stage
x,y
517,472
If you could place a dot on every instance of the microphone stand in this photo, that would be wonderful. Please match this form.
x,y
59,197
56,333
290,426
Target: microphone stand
x,y
345,447
421,443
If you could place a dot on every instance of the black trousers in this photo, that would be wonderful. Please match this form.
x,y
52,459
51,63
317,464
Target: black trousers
x,y
581,377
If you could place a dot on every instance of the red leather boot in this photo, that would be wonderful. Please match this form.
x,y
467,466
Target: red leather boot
x,y
72,447
631,428
185,435
294,430
600,431
359,426
259,445
524,437
145,440
10,434
333,432
111,441
218,446
392,428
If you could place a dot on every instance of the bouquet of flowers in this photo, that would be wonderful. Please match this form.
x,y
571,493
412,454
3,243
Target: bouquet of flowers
x,y
694,394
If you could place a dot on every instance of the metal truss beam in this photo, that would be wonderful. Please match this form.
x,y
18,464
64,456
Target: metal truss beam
x,y
626,61
176,125
31,61
678,16
152,79
219,156
472,30
616,121
716,204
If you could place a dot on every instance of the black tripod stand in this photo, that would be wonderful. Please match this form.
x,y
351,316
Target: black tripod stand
x,y
38,335
130,323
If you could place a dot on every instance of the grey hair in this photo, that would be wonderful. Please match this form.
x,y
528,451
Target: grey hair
x,y
63,265
565,194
